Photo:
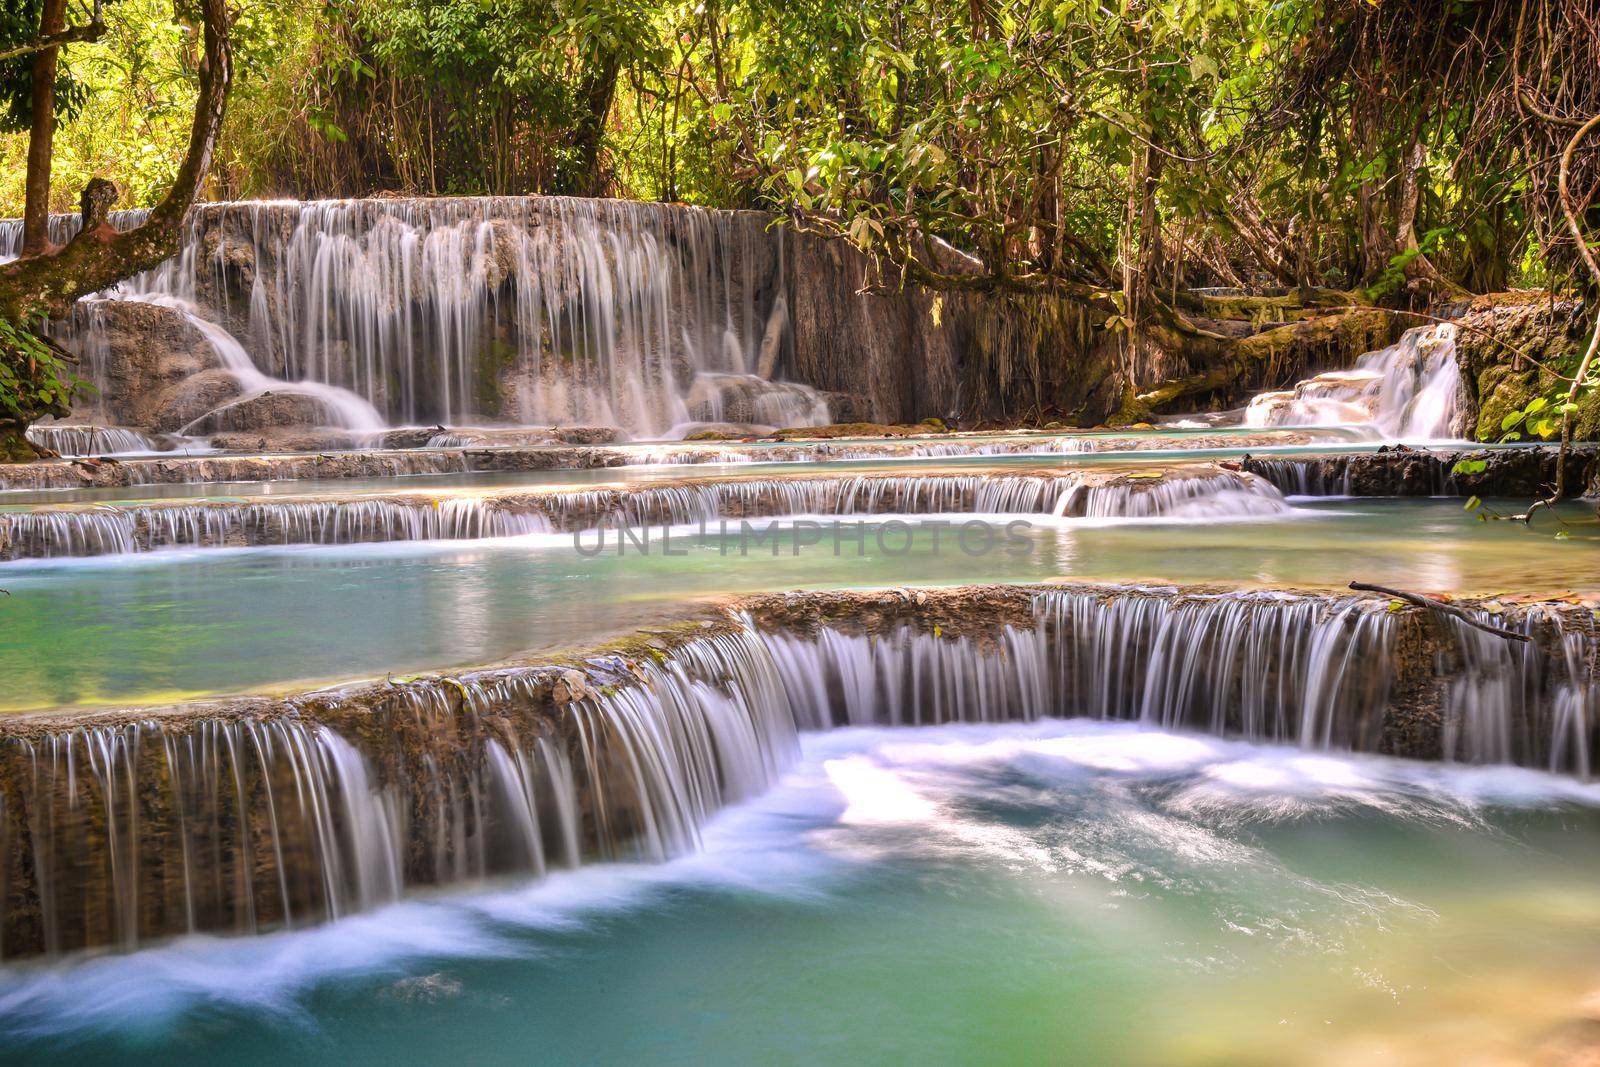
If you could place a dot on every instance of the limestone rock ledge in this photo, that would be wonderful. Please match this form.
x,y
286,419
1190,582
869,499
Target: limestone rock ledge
x,y
126,825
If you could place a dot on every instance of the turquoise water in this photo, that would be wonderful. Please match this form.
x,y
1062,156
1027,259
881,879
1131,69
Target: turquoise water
x,y
1059,892
655,473
172,624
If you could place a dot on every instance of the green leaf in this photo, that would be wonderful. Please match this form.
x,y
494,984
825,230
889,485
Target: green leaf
x,y
1473,503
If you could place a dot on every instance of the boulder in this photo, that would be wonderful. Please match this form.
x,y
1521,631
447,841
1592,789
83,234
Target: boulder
x,y
270,410
138,353
745,398
185,400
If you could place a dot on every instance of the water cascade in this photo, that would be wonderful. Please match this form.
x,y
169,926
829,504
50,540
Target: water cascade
x,y
113,836
260,814
105,530
1410,391
1502,707
74,441
518,310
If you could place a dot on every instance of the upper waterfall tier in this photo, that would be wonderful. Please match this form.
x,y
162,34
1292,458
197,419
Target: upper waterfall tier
x,y
1409,391
530,310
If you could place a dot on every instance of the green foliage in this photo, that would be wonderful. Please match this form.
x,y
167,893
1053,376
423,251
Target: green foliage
x,y
19,23
34,378
128,113
1137,145
1542,417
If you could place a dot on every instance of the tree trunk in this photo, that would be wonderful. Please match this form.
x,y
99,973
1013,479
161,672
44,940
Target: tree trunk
x,y
597,93
41,137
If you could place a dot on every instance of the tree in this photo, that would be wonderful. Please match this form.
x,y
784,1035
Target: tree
x,y
45,280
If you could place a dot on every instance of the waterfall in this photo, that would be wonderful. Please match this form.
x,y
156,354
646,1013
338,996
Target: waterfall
x,y
122,834
137,831
62,228
261,815
1169,494
1409,391
521,310
1508,704
107,530
1266,666
76,441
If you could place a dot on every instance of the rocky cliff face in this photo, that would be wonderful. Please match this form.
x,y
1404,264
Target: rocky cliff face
x,y
1508,346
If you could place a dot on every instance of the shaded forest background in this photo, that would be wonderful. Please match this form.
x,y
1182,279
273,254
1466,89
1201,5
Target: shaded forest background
x,y
1397,147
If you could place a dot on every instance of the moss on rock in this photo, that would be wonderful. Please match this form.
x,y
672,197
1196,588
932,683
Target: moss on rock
x,y
1510,351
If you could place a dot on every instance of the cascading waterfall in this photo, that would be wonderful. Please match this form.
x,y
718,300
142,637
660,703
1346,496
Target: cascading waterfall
x,y
1503,708
1267,666
75,441
114,836
114,530
910,678
62,228
110,530
85,331
530,310
1157,495
136,831
1408,391
1299,477
111,836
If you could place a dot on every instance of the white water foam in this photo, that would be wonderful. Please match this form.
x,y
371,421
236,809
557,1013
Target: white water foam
x,y
1410,391
1112,803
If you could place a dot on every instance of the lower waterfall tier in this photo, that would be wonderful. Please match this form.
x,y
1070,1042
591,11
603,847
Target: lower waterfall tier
x,y
120,828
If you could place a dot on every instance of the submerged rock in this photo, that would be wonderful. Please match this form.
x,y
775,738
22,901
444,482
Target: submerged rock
x,y
190,399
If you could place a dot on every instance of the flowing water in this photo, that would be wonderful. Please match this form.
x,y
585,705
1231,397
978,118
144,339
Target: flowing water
x,y
164,624
518,310
1193,493
1122,824
1024,893
1410,391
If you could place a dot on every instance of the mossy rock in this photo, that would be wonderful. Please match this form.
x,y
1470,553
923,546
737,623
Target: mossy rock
x,y
1503,346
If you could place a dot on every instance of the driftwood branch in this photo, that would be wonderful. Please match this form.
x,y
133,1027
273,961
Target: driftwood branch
x,y
1442,608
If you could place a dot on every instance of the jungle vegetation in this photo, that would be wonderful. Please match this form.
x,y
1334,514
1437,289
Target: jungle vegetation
x,y
1119,153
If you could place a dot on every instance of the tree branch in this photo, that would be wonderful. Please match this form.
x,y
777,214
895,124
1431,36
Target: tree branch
x,y
89,31
1442,608
99,256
